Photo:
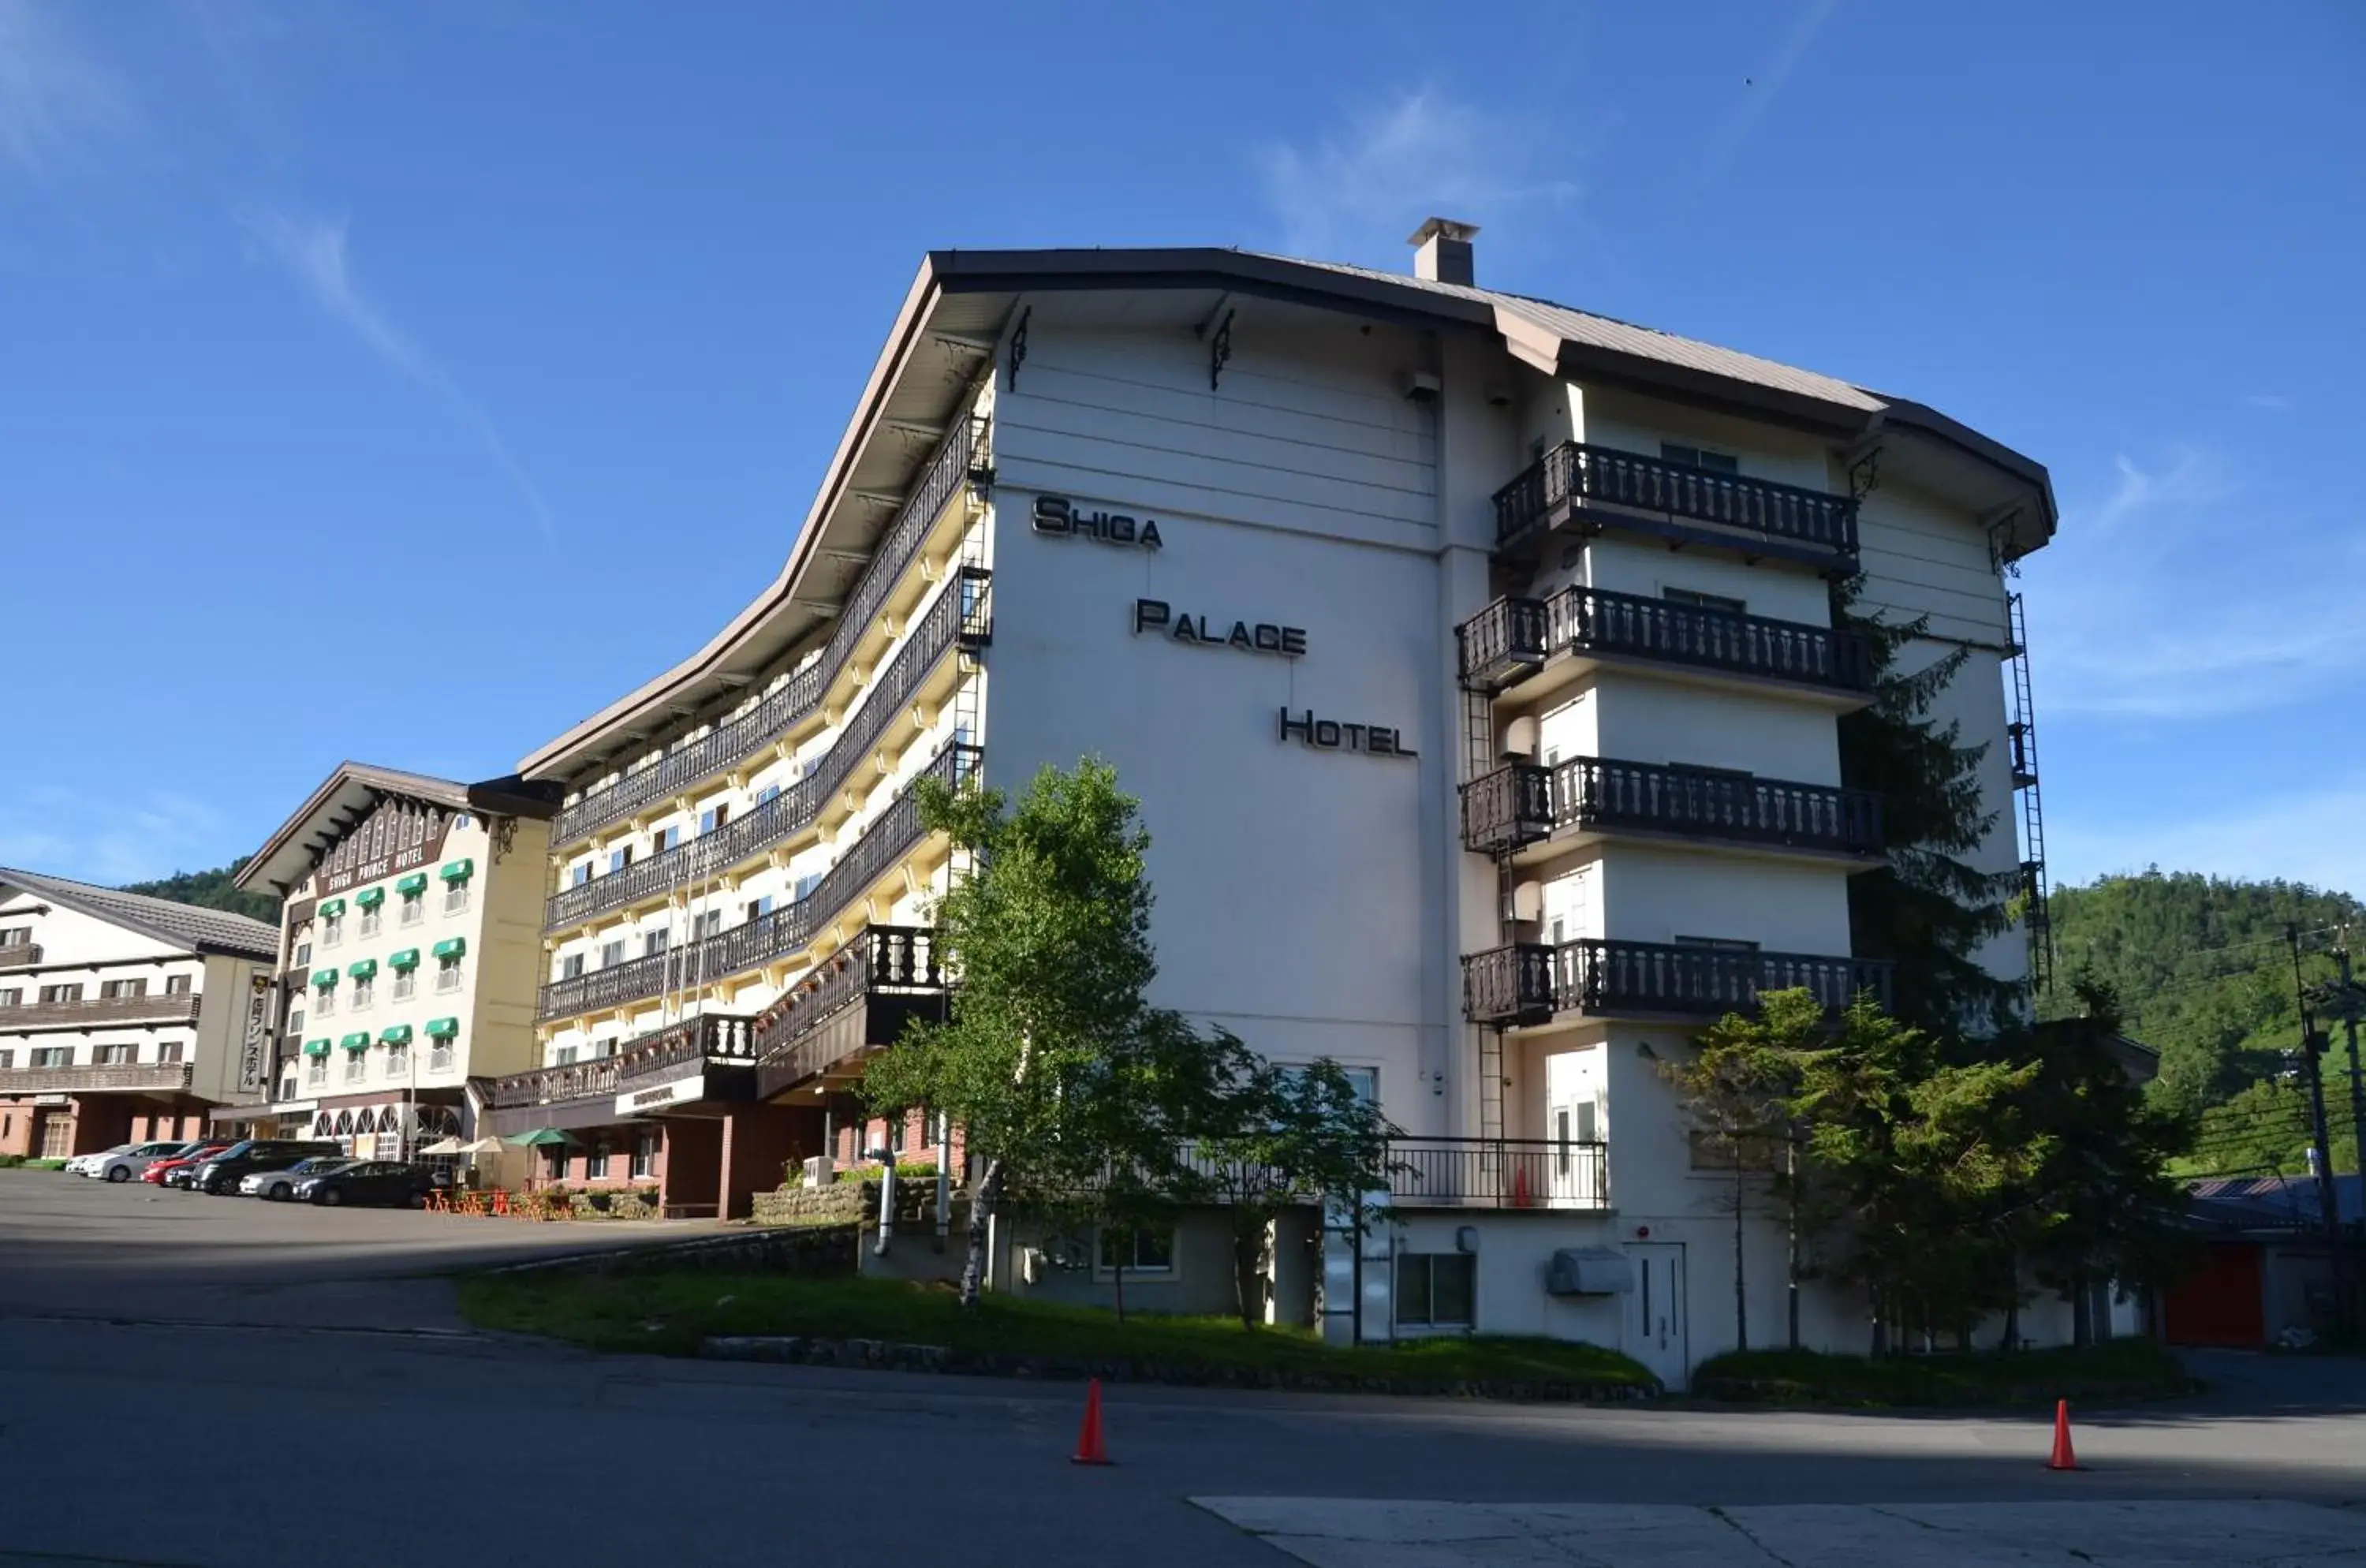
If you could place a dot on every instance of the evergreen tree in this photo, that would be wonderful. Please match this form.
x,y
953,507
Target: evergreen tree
x,y
211,890
1928,911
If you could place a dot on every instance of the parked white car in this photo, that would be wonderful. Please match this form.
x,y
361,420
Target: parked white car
x,y
279,1186
80,1165
126,1161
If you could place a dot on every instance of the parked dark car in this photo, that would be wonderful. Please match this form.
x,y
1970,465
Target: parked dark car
x,y
164,1170
383,1183
221,1173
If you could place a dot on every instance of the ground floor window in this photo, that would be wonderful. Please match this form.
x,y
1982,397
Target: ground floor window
x,y
554,1162
1437,1289
57,1137
595,1164
1142,1249
645,1152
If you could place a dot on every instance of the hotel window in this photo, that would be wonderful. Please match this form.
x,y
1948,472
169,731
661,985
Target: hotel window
x,y
52,1055
759,907
370,919
619,858
447,971
603,1048
665,839
1145,1249
713,817
580,874
304,952
457,875
414,907
769,793
612,953
356,1064
554,1162
1700,458
169,1053
707,924
1704,601
803,887
113,1056
295,1021
178,985
12,997
66,993
332,930
1437,1289
16,936
365,991
316,1070
122,991
7,1059
571,967
595,1164
645,1152
1716,944
456,897
398,1060
564,1056
439,1055
325,1003
406,984
654,943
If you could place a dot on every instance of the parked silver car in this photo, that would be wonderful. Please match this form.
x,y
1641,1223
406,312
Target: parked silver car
x,y
124,1162
279,1186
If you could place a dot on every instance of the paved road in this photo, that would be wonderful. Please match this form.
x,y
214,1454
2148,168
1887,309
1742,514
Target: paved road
x,y
415,1447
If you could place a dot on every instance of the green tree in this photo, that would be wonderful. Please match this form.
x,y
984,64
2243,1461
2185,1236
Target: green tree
x,y
211,890
1926,909
1049,936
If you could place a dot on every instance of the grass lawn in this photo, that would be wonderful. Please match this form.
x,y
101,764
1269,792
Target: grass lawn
x,y
2119,1369
671,1313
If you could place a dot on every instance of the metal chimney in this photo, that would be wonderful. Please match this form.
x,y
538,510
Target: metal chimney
x,y
1442,250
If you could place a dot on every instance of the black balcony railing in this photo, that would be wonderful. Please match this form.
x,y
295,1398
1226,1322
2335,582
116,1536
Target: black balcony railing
x,y
1522,802
962,459
889,971
1527,982
660,1056
1574,478
1499,1173
1511,639
962,617
759,941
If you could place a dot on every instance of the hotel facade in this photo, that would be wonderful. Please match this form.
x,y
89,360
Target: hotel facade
x,y
123,1019
1474,659
407,955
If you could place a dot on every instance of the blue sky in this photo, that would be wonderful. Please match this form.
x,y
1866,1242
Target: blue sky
x,y
324,330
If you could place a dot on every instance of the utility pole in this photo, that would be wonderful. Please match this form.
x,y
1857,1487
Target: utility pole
x,y
2313,1044
2350,1002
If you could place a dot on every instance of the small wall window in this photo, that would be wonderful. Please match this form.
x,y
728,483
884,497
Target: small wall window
x,y
612,953
16,936
645,1152
456,897
580,874
170,1051
295,1021
398,1061
595,1164
53,1055
447,973
365,991
1145,1249
414,907
113,1056
654,943
304,952
14,996
316,1070
1700,458
713,817
571,967
356,1064
178,985
1437,1289
122,991
1704,601
333,931
62,993
370,920
619,858
406,984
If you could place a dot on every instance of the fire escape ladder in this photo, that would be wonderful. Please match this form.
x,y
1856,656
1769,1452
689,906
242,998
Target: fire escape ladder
x,y
2020,729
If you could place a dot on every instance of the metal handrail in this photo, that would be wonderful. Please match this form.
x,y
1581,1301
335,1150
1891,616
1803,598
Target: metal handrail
x,y
1527,982
1578,471
1521,803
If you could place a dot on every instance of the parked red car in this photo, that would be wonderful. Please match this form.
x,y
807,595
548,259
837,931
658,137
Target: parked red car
x,y
155,1174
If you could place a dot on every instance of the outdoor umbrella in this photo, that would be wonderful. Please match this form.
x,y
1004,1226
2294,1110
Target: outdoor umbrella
x,y
446,1146
545,1138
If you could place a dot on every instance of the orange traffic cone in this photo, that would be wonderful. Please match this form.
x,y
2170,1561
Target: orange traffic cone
x,y
2063,1458
1090,1450
1520,1198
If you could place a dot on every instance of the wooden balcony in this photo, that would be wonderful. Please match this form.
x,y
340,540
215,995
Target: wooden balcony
x,y
1527,982
964,460
962,617
118,1077
1591,489
754,943
1524,804
661,1056
160,1009
20,954
860,996
1512,639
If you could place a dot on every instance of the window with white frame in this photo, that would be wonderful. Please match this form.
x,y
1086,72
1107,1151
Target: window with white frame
x,y
7,1058
170,1052
447,973
406,984
332,930
356,1065
303,953
595,1164
370,921
365,992
316,1070
324,1002
563,1056
122,991
1437,1289
456,897
52,1055
295,1021
612,953
414,907
398,1059
115,1053
1700,458
644,1152
1142,1249
439,1053
571,967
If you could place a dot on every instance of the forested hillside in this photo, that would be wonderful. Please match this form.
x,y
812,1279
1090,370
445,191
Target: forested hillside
x,y
2205,976
211,890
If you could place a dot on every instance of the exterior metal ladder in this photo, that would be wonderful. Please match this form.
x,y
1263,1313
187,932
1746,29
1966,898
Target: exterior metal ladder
x,y
2021,729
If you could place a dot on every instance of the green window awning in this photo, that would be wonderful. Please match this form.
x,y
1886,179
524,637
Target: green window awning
x,y
407,959
358,1041
331,907
370,897
324,979
362,970
415,883
451,947
316,1047
458,870
395,1034
442,1028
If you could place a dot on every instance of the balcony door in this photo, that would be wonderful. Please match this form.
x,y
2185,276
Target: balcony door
x,y
1655,1330
1575,1089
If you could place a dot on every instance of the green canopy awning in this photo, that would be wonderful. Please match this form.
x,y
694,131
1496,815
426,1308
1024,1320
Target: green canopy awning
x,y
358,1041
362,969
451,947
331,906
323,979
442,1028
395,1034
316,1047
415,883
458,870
543,1138
370,897
406,959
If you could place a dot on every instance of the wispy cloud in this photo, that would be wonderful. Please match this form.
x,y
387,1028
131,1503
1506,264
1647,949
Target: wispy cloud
x,y
313,251
58,99
1359,193
2179,594
153,833
1765,84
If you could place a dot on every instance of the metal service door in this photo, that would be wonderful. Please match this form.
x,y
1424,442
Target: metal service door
x,y
1655,1311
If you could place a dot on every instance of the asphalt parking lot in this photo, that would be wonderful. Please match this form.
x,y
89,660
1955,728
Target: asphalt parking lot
x,y
129,1252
